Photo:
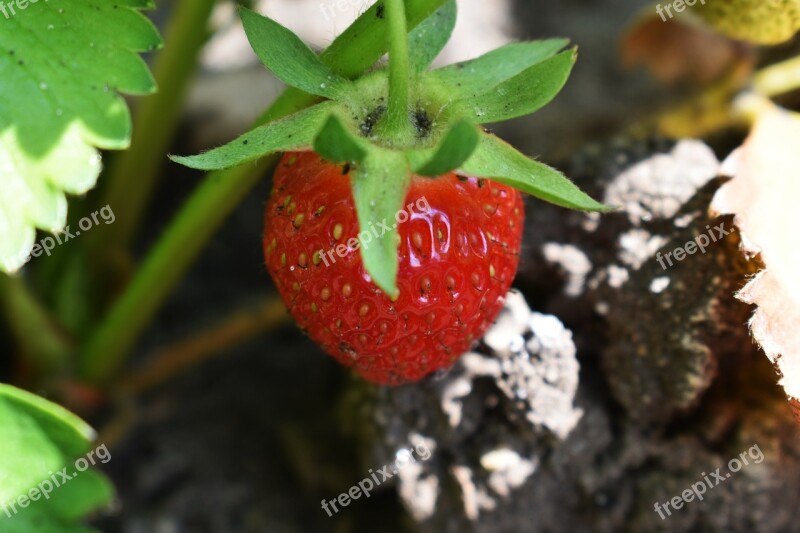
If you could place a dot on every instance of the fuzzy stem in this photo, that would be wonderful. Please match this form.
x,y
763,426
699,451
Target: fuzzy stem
x,y
398,124
351,53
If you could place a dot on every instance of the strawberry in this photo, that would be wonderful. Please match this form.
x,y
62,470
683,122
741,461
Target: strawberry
x,y
385,253
459,249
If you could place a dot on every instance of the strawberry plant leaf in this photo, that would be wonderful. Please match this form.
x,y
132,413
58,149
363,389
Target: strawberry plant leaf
x,y
524,93
336,144
380,183
294,132
489,70
427,40
497,160
38,441
63,64
456,147
289,58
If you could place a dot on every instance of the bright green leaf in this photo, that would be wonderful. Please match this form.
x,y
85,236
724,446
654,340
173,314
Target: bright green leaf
x,y
336,144
38,439
491,69
63,64
523,94
289,58
428,39
496,160
457,146
380,184
294,132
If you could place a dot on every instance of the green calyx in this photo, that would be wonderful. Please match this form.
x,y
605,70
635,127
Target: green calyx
x,y
406,119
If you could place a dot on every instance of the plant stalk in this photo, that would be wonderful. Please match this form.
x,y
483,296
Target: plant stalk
x,y
398,124
133,173
36,331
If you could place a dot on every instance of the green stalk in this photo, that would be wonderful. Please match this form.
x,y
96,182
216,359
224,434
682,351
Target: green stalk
x,y
133,173
358,48
398,125
34,329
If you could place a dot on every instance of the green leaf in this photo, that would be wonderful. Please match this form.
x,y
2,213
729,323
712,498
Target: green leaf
x,y
294,132
495,159
289,58
337,144
476,75
39,439
523,94
428,39
62,66
457,146
380,184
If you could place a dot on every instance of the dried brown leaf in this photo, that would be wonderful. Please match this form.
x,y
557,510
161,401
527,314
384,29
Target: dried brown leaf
x,y
763,195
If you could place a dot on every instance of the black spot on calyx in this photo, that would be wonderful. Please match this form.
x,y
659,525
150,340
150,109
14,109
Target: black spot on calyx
x,y
372,119
380,12
422,123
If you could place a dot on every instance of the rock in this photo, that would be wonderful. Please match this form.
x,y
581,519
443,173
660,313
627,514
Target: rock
x,y
490,419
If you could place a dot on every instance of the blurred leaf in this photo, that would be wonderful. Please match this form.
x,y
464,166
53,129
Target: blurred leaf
x,y
757,21
38,440
62,64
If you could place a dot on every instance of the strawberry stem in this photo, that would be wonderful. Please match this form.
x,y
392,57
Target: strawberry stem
x,y
398,126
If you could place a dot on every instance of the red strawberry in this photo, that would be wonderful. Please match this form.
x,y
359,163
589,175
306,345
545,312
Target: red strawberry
x,y
410,297
457,259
